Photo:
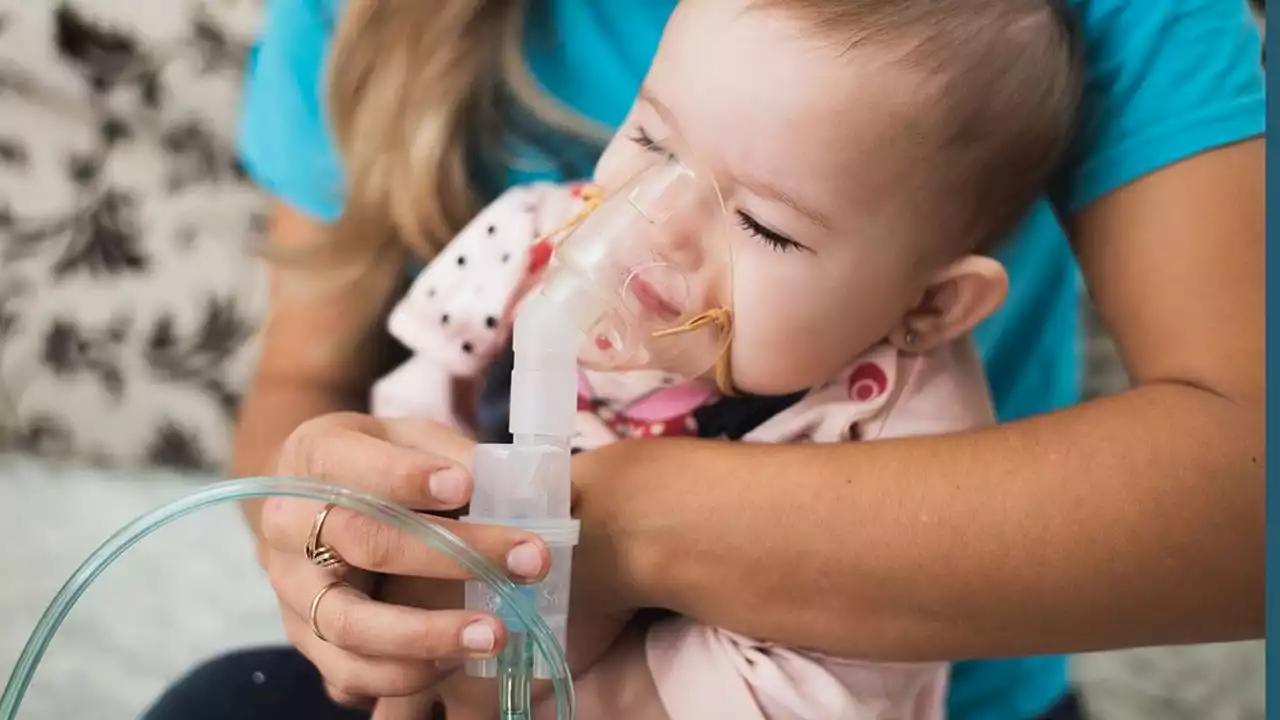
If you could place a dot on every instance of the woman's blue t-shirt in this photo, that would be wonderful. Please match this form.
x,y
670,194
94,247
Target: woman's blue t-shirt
x,y
1166,80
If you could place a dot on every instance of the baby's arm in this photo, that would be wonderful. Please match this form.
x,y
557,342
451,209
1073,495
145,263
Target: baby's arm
x,y
456,315
619,685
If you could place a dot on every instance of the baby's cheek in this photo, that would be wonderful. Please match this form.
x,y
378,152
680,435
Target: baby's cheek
x,y
771,354
789,341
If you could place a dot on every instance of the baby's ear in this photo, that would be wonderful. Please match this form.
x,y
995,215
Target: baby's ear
x,y
956,299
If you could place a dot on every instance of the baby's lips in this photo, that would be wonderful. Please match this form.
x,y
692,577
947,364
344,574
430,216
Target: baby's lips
x,y
656,292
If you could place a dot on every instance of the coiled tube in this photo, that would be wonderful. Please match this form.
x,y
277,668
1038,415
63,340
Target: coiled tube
x,y
538,635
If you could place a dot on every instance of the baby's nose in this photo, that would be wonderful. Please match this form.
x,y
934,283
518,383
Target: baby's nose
x,y
678,244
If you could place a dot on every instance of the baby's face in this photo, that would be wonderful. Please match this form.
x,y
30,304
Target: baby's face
x,y
807,148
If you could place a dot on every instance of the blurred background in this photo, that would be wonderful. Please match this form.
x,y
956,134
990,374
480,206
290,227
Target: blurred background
x,y
128,304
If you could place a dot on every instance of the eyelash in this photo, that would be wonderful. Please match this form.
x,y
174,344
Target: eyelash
x,y
775,241
642,138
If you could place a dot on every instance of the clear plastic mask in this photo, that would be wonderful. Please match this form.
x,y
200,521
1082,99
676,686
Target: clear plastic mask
x,y
655,253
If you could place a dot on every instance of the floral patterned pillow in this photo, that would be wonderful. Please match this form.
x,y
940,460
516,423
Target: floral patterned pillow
x,y
129,301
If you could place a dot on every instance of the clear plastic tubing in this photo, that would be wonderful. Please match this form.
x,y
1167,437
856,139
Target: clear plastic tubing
x,y
536,640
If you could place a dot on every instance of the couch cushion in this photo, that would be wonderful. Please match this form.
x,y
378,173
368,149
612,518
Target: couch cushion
x,y
129,299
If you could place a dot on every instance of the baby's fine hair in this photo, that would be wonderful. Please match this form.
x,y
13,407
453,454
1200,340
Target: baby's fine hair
x,y
1004,80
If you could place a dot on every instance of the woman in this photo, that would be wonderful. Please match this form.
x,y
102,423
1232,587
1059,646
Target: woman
x,y
1132,520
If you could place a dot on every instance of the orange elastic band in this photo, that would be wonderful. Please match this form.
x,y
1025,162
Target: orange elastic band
x,y
723,320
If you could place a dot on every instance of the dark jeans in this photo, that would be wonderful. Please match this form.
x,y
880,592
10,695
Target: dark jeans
x,y
280,684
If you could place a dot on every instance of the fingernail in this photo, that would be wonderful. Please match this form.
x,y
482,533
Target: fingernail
x,y
449,486
525,560
479,637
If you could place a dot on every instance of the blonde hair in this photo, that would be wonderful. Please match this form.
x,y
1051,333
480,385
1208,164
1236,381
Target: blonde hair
x,y
419,95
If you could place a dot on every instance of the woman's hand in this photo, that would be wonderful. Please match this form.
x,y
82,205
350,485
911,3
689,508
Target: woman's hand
x,y
372,649
601,606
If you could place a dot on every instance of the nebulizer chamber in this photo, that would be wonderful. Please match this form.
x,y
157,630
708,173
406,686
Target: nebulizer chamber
x,y
622,286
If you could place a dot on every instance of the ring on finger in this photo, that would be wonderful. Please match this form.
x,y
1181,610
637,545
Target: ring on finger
x,y
315,605
317,552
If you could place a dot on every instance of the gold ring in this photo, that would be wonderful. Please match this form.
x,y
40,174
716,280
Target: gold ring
x,y
315,604
317,552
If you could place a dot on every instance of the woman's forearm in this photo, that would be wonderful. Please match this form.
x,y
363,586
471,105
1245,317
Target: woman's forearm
x,y
1142,523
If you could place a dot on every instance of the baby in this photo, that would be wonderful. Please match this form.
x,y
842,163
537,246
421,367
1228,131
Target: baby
x,y
869,154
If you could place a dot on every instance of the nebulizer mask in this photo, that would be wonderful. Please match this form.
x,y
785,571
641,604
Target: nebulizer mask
x,y
646,276
638,282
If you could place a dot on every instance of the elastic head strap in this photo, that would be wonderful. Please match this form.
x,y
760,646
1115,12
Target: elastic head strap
x,y
723,320
591,196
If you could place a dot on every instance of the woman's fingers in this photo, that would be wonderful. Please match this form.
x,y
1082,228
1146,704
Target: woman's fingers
x,y
363,453
370,544
366,649
349,701
348,619
352,679
354,451
414,707
430,437
351,621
